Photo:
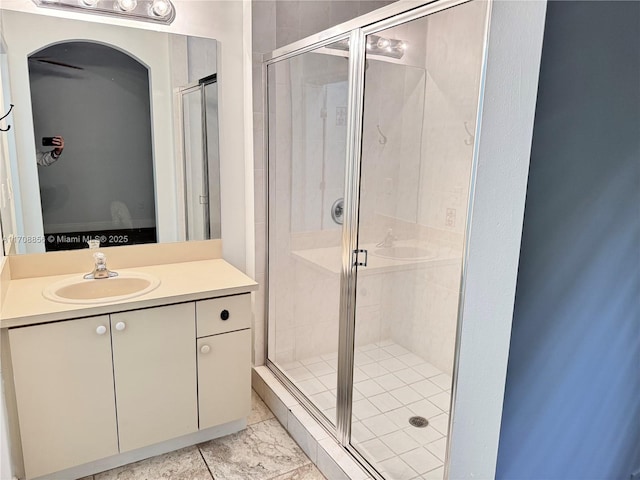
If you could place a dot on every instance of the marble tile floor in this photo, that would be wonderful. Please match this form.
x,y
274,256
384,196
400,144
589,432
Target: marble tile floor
x,y
391,384
264,451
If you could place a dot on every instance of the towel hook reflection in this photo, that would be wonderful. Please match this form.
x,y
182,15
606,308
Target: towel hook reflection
x,y
382,140
5,116
468,141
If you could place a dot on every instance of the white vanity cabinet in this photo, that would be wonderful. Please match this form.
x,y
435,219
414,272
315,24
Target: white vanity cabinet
x,y
93,388
155,374
227,359
224,359
63,379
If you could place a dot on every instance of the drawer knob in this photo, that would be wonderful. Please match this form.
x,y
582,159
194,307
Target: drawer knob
x,y
224,314
205,349
120,326
101,330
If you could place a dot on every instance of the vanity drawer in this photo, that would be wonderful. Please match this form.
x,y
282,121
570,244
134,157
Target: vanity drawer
x,y
224,314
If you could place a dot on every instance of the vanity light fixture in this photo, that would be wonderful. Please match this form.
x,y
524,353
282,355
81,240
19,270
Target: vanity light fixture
x,y
376,45
161,8
159,11
383,42
127,5
388,47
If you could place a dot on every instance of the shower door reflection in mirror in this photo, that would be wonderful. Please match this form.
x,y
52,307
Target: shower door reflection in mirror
x,y
201,160
420,111
307,97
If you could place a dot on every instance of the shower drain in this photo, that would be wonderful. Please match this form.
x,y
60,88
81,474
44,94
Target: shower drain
x,y
419,422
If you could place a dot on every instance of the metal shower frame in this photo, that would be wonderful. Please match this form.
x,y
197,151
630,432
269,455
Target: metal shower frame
x,y
356,31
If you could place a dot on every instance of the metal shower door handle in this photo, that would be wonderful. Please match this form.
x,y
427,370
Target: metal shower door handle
x,y
357,261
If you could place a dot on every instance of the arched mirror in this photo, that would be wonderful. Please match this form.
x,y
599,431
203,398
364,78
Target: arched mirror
x,y
96,179
139,163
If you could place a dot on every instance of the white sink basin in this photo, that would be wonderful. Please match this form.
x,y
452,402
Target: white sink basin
x,y
81,291
405,253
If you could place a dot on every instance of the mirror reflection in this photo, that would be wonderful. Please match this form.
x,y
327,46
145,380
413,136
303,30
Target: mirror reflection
x,y
84,190
105,143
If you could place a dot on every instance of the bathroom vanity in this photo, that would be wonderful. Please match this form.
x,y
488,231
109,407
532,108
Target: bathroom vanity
x,y
90,386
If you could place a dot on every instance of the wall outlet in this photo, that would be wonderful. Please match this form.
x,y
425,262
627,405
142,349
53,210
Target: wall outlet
x,y
450,220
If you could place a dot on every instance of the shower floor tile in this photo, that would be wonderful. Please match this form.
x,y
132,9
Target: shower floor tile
x,y
391,384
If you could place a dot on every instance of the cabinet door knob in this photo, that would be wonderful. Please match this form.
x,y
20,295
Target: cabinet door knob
x,y
101,330
205,349
120,326
224,314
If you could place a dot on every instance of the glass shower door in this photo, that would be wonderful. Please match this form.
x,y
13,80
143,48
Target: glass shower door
x,y
212,154
201,159
421,84
195,166
307,133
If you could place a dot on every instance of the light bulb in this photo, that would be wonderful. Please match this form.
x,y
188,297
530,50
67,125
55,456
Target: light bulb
x,y
90,3
127,5
161,8
402,46
383,43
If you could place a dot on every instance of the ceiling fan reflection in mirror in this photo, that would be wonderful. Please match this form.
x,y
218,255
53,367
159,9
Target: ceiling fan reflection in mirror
x,y
50,61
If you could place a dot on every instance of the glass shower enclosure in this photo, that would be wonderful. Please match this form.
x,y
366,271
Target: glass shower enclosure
x,y
371,138
201,159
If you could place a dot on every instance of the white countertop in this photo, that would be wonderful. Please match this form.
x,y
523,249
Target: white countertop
x,y
179,282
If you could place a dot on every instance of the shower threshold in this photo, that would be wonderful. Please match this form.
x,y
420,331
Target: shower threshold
x,y
392,387
321,448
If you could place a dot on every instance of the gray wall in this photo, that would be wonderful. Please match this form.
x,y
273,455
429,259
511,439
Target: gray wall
x,y
103,112
572,401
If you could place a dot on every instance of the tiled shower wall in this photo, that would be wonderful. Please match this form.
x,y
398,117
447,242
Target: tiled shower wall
x,y
275,24
419,312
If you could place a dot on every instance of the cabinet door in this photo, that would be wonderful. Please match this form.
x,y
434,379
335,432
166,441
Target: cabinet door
x,y
224,377
155,374
64,390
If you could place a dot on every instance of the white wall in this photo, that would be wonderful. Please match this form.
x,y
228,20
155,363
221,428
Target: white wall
x,y
493,245
224,21
5,463
10,207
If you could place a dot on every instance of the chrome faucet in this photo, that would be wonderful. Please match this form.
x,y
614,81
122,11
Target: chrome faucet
x,y
389,239
100,270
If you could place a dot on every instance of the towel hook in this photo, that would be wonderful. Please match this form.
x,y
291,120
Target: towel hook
x,y
5,116
468,141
